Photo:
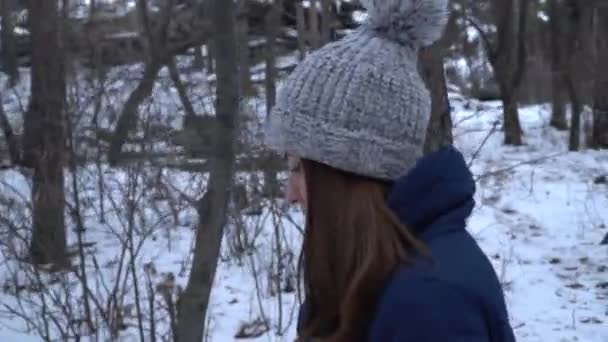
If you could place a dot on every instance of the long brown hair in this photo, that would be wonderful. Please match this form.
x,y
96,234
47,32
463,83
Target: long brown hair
x,y
352,244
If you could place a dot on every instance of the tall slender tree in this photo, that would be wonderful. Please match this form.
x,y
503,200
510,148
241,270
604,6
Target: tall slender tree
x,y
439,132
212,208
506,51
579,58
508,60
44,133
558,65
600,103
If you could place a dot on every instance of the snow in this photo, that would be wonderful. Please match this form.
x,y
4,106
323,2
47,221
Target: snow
x,y
539,217
541,223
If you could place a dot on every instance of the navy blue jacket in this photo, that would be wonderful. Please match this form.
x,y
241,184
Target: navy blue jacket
x,y
456,296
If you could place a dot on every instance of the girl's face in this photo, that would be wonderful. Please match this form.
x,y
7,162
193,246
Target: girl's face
x,y
296,182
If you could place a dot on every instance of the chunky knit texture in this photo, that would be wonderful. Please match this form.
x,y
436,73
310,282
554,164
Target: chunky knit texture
x,y
359,104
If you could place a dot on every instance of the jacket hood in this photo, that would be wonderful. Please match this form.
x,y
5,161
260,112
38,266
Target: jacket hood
x,y
436,196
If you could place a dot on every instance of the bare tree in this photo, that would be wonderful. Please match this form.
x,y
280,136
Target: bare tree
x,y
439,132
558,65
507,55
212,207
326,21
273,23
508,60
243,44
600,103
578,77
44,134
157,38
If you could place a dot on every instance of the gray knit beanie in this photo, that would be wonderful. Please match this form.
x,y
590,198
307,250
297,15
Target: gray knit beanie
x,y
359,104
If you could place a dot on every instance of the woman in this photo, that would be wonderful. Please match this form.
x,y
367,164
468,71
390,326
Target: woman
x,y
386,256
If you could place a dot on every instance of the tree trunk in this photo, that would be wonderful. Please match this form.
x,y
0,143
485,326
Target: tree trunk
x,y
92,8
326,21
508,60
301,28
242,29
9,136
207,5
127,121
44,135
314,32
600,103
212,208
273,22
7,38
573,78
558,67
575,121
512,126
439,132
199,61
155,38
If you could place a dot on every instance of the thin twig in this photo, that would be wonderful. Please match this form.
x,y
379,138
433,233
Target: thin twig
x,y
80,229
483,143
516,165
490,49
181,89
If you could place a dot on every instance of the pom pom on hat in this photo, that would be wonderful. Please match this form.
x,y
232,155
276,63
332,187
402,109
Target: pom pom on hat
x,y
417,23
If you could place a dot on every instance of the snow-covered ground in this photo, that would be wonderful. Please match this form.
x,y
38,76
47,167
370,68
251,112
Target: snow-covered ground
x,y
541,221
540,218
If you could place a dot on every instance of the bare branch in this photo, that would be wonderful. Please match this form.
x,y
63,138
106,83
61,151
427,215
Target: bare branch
x,y
181,89
516,165
128,116
490,48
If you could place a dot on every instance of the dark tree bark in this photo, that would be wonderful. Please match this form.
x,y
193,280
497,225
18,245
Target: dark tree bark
x,y
7,37
242,29
181,89
301,28
44,134
199,60
207,5
326,21
578,47
507,55
9,136
600,104
127,121
314,27
92,8
509,61
273,22
558,65
439,132
573,21
212,207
